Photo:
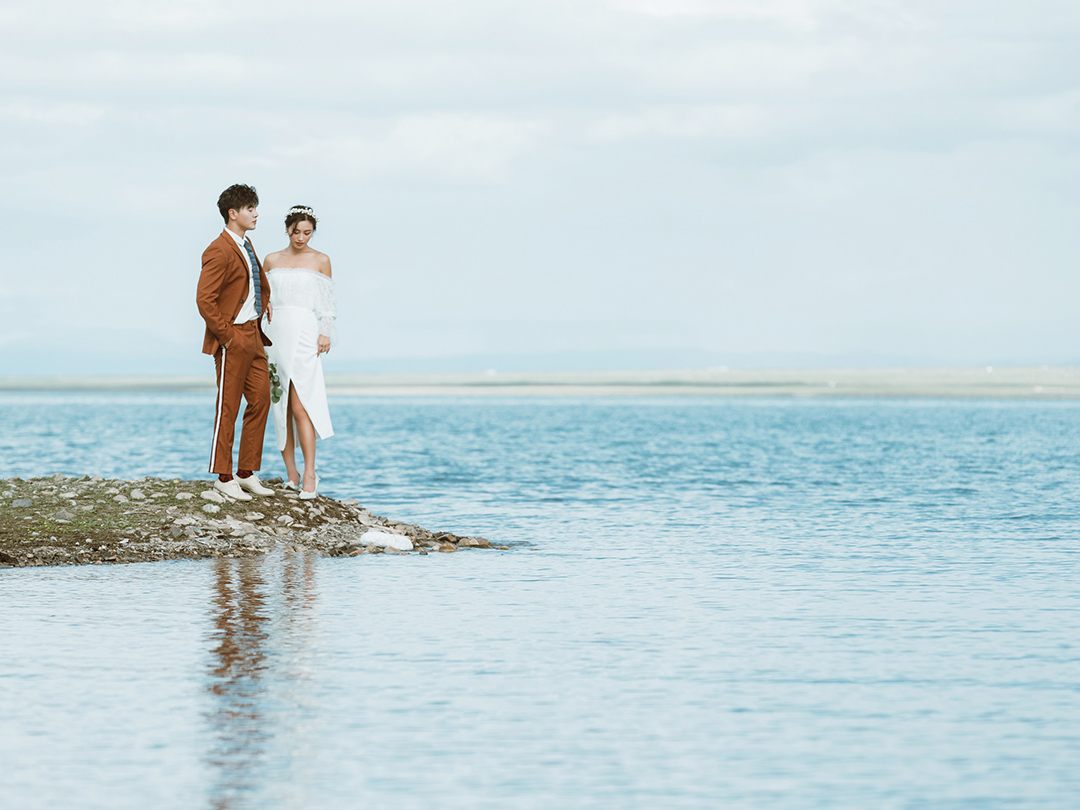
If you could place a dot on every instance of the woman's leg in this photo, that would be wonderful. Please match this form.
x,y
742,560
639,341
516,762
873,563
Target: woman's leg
x,y
288,454
307,438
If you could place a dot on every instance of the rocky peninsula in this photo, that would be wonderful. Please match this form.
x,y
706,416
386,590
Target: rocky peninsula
x,y
60,520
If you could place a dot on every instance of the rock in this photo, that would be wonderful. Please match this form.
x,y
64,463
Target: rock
x,y
350,502
254,516
19,503
473,542
69,494
120,498
176,531
374,537
211,508
184,496
64,514
286,520
86,507
8,493
137,495
112,491
7,559
212,496
447,548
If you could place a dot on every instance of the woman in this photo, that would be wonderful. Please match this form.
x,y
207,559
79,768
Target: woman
x,y
302,295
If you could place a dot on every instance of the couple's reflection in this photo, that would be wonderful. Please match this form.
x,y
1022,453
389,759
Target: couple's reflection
x,y
263,624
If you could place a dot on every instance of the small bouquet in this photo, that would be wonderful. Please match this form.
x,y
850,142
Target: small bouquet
x,y
275,385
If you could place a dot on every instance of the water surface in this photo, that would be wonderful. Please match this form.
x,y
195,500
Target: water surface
x,y
738,603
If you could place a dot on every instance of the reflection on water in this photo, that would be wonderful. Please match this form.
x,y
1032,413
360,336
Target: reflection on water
x,y
261,651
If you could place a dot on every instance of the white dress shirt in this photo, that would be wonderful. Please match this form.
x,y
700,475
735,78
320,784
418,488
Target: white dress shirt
x,y
247,311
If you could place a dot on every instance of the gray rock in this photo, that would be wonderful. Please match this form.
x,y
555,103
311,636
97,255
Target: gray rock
x,y
8,493
212,496
137,495
120,498
69,494
254,516
112,491
184,496
176,531
86,507
286,520
211,508
64,514
19,503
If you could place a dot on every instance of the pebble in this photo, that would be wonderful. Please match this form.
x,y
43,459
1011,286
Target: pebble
x,y
211,508
184,496
137,495
210,495
21,502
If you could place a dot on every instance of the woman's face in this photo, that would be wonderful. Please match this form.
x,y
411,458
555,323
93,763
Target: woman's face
x,y
300,233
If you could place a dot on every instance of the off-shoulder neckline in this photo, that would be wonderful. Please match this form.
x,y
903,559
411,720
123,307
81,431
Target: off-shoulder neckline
x,y
305,269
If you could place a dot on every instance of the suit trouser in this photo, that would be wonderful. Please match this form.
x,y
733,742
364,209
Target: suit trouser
x,y
241,369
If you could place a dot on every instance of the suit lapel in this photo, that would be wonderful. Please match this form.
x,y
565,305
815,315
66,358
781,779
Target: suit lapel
x,y
230,242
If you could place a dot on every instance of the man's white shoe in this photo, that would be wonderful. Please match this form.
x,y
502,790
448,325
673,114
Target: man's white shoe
x,y
232,489
253,485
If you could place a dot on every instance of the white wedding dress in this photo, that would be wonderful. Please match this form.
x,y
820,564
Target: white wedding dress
x,y
304,308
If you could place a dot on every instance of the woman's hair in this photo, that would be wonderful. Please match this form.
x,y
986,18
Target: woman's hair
x,y
236,197
300,213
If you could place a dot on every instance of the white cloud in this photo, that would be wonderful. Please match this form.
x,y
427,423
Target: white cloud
x,y
456,146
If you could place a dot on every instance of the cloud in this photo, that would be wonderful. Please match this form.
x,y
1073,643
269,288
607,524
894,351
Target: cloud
x,y
456,146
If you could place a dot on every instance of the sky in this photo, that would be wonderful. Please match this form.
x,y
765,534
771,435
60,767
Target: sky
x,y
552,184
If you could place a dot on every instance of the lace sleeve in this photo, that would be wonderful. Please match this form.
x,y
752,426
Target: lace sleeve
x,y
326,308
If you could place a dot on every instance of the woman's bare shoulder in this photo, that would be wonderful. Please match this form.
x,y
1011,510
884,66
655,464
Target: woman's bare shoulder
x,y
322,263
272,259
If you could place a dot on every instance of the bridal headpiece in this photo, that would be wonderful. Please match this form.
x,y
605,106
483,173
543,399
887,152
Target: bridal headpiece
x,y
301,209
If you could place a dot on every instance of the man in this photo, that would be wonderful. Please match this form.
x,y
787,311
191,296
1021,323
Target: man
x,y
233,292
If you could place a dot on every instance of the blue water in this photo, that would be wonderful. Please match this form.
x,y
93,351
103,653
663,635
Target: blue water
x,y
708,603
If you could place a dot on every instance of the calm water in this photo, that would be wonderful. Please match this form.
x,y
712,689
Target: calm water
x,y
709,603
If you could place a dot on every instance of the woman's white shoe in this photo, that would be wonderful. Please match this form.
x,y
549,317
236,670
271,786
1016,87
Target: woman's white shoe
x,y
310,496
290,486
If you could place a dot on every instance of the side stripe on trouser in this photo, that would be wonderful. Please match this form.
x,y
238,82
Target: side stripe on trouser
x,y
217,414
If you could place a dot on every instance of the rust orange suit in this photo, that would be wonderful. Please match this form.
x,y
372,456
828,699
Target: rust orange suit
x,y
241,365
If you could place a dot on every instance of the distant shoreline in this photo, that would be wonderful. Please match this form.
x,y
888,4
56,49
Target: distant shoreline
x,y
1043,382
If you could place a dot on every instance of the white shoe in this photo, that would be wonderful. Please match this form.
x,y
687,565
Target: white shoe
x,y
253,485
289,485
232,489
310,496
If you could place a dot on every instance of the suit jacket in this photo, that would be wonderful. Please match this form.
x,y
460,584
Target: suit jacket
x,y
223,288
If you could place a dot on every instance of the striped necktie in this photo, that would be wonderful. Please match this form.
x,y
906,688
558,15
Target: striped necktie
x,y
255,277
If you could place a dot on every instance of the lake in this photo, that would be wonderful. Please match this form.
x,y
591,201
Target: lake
x,y
707,602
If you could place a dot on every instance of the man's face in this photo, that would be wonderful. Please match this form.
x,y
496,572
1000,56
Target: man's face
x,y
246,217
